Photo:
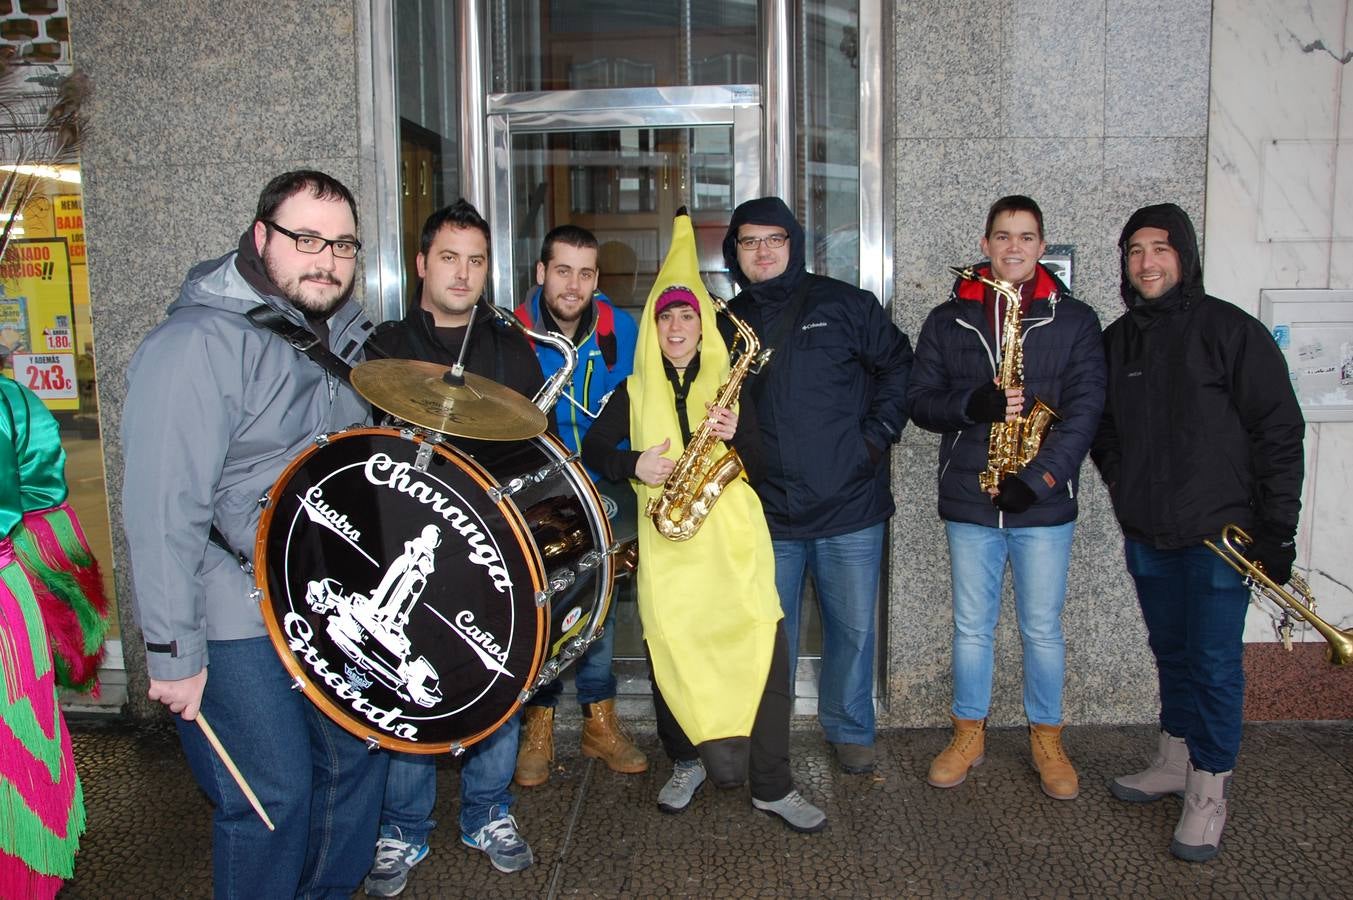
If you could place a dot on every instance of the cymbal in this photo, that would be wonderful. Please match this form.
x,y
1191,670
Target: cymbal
x,y
477,407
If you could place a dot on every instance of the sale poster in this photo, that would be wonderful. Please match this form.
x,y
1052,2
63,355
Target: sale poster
x,y
36,275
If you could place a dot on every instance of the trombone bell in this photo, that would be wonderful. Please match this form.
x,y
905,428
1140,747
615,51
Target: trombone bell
x,y
1234,540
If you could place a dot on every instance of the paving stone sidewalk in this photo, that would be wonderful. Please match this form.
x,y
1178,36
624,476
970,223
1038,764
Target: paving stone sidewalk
x,y
598,834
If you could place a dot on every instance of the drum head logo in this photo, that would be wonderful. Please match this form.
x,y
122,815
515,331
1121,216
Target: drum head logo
x,y
405,595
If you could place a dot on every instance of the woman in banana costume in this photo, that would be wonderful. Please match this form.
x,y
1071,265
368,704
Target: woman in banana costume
x,y
709,609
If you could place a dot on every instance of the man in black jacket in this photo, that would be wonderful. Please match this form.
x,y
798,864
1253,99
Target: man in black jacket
x,y
1029,517
1201,428
831,402
453,265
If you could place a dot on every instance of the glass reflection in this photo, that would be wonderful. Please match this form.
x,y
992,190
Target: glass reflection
x,y
625,185
554,45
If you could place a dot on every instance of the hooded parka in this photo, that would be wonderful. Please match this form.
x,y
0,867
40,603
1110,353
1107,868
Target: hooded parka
x,y
832,399
1201,427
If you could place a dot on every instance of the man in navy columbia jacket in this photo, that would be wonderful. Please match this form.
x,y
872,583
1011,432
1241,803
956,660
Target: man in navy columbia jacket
x,y
1028,519
830,403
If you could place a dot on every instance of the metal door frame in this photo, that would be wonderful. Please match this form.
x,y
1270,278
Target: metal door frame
x,y
738,106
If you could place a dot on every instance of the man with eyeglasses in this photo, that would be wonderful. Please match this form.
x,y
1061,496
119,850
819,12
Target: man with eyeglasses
x,y
453,268
216,409
831,401
566,300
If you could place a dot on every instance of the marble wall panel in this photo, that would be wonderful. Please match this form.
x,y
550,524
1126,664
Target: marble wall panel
x,y
1273,79
1330,519
1142,96
1278,188
1296,190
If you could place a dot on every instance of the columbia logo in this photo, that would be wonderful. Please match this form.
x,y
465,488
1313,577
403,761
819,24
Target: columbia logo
x,y
812,325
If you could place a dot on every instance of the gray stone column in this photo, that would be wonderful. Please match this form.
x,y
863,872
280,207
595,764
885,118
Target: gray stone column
x,y
1092,109
195,106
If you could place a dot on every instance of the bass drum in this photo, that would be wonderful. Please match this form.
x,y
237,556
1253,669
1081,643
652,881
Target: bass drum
x,y
420,594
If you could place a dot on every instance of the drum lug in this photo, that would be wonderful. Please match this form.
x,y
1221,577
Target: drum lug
x,y
589,560
562,580
420,462
322,440
457,749
542,597
297,684
521,482
256,594
372,744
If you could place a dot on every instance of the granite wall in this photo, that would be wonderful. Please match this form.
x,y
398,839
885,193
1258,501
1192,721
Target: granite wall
x,y
195,106
1093,109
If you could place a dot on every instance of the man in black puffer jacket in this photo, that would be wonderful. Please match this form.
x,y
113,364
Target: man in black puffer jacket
x,y
453,268
830,403
1029,518
1201,428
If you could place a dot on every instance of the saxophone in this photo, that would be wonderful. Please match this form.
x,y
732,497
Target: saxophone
x,y
698,481
1013,444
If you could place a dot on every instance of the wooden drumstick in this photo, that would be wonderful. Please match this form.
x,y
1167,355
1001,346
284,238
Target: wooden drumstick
x,y
234,772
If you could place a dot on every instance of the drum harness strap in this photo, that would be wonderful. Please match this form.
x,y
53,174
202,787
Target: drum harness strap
x,y
308,343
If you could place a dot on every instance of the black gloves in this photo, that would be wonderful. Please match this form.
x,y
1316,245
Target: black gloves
x,y
1274,548
1015,496
987,404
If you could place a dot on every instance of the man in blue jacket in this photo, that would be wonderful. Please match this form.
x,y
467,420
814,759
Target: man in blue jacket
x,y
566,301
831,402
1028,517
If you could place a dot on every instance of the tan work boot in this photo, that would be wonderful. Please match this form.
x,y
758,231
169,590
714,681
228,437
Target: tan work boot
x,y
537,746
1165,775
604,738
1197,837
966,750
1054,769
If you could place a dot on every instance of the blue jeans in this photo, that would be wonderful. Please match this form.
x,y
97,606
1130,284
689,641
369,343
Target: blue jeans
x,y
411,787
1194,605
320,785
845,570
1038,558
592,675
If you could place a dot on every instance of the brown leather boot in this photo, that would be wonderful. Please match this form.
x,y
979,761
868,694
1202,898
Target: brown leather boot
x,y
537,746
604,738
1054,769
966,750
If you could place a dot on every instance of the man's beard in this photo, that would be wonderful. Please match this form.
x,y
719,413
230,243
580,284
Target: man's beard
x,y
293,290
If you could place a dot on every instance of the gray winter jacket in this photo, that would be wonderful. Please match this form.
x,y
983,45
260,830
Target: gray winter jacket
x,y
216,409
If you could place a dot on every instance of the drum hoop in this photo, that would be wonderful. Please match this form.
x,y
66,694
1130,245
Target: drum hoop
x,y
337,714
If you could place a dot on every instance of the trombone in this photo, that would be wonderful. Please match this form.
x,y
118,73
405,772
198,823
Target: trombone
x,y
1234,540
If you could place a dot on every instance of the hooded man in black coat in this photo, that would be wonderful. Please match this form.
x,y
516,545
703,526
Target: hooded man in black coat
x,y
831,401
1201,428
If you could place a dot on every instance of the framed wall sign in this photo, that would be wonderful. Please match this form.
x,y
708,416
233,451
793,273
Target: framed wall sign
x,y
1314,329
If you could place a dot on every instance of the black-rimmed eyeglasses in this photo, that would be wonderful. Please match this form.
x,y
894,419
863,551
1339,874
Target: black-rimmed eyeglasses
x,y
773,241
313,243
